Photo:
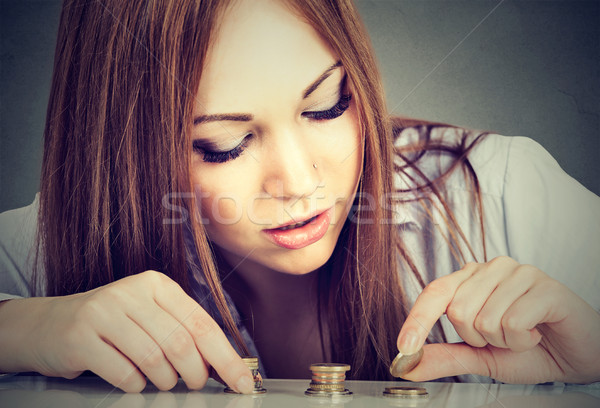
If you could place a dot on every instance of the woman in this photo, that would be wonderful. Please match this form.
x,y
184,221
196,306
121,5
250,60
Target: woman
x,y
227,169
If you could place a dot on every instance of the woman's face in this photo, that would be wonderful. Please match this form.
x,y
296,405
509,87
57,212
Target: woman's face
x,y
276,141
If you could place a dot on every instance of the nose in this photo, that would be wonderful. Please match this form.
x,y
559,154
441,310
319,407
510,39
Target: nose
x,y
292,170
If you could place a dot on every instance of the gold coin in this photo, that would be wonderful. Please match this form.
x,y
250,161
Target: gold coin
x,y
403,364
329,367
324,393
251,362
335,387
405,391
254,391
331,377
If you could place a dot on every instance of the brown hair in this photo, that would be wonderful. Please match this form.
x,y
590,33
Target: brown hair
x,y
117,142
365,302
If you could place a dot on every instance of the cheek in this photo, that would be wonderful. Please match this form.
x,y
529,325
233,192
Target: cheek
x,y
222,209
221,204
347,156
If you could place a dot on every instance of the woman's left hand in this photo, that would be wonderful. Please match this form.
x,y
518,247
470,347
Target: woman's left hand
x,y
519,326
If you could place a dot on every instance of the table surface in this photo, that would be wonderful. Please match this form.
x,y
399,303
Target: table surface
x,y
38,391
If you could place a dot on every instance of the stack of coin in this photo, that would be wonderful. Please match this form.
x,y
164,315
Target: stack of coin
x,y
405,392
252,363
328,379
406,397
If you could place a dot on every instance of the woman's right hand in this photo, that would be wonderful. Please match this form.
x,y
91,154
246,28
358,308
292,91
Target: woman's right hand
x,y
141,325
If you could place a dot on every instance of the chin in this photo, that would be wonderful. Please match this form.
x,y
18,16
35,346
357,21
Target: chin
x,y
299,270
289,261
302,261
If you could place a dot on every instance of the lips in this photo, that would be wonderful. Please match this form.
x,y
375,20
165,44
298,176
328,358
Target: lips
x,y
297,225
296,235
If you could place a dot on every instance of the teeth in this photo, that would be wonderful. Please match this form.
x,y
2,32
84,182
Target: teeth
x,y
298,225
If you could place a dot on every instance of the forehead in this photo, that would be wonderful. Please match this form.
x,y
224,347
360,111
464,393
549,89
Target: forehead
x,y
260,45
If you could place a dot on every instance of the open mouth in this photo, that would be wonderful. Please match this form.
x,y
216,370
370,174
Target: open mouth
x,y
301,234
298,225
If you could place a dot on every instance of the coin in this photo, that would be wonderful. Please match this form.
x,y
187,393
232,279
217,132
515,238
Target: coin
x,y
329,367
405,391
403,364
328,380
252,363
326,387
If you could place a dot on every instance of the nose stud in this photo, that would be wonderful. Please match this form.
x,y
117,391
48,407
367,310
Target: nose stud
x,y
315,166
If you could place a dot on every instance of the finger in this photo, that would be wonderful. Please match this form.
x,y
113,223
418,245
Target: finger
x,y
489,319
143,351
208,336
430,305
520,320
472,295
214,375
114,367
176,343
218,352
446,360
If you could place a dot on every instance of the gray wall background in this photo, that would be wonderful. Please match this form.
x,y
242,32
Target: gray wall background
x,y
517,67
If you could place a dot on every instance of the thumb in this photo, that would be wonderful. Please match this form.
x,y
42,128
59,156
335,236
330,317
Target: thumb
x,y
446,360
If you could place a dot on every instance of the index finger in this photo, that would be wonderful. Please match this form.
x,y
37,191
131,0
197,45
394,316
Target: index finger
x,y
210,340
430,305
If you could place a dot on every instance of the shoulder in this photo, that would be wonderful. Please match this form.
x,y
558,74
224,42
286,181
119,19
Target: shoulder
x,y
19,226
18,230
494,159
533,211
12,219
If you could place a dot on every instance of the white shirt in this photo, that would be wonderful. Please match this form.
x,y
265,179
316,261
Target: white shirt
x,y
533,212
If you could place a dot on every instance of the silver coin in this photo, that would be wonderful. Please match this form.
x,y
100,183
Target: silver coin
x,y
403,364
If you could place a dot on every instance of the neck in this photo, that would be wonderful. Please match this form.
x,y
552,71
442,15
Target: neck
x,y
281,313
263,286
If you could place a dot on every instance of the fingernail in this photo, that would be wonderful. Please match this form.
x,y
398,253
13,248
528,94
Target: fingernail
x,y
245,384
408,343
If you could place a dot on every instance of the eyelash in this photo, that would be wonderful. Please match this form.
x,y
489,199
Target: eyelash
x,y
332,113
221,157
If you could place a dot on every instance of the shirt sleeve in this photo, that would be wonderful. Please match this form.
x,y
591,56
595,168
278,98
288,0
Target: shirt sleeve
x,y
17,250
552,221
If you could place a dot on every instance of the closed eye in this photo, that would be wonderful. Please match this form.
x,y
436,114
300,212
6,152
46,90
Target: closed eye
x,y
214,156
337,110
332,113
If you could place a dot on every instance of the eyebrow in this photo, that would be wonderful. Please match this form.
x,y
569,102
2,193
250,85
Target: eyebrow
x,y
312,87
245,117
239,117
